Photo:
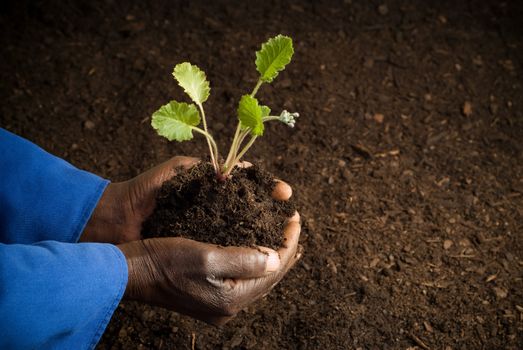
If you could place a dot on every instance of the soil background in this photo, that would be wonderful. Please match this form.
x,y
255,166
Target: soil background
x,y
406,160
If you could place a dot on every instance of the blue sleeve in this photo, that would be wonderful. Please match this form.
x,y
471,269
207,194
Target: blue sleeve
x,y
53,294
57,295
42,197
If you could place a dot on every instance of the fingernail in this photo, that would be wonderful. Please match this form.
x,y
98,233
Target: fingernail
x,y
281,191
273,261
191,161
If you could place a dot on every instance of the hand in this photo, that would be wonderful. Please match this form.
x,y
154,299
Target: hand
x,y
205,281
124,206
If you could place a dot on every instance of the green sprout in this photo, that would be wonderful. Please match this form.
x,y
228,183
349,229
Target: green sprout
x,y
178,120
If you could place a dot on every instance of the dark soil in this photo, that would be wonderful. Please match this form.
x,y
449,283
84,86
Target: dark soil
x,y
239,211
406,161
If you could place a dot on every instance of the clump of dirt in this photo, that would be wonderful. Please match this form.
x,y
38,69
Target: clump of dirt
x,y
239,211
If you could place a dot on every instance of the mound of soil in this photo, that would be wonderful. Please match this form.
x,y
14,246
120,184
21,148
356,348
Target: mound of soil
x,y
239,211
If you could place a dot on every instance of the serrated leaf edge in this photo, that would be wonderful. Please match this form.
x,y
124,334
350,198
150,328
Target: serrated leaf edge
x,y
203,81
267,46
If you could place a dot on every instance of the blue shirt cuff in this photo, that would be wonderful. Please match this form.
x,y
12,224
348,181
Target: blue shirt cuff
x,y
58,295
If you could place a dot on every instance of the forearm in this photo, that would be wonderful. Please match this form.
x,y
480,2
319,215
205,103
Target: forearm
x,y
112,220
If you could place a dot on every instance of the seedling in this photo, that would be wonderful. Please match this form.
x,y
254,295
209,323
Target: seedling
x,y
178,120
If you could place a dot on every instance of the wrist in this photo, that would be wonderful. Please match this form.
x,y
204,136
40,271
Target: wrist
x,y
139,277
108,222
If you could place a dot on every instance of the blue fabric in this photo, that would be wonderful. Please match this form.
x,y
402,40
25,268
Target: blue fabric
x,y
54,293
42,197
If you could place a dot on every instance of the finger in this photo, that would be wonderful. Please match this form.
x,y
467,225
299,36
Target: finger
x,y
204,313
273,280
241,263
182,162
259,287
281,191
167,170
297,256
295,217
291,236
298,253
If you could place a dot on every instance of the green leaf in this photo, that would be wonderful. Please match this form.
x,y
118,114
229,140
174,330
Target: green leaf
x,y
274,55
175,120
265,111
251,113
193,81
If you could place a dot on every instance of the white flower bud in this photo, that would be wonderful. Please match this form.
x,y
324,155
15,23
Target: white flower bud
x,y
288,118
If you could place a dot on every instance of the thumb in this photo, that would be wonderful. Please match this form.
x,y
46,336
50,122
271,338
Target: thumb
x,y
242,263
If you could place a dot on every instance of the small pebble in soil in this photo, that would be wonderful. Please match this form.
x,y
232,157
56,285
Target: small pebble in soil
x,y
89,125
467,109
378,118
383,9
500,292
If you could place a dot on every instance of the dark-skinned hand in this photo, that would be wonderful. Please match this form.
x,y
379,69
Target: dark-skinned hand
x,y
124,206
205,281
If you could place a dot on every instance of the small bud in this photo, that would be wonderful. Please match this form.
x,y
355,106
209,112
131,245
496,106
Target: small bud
x,y
289,118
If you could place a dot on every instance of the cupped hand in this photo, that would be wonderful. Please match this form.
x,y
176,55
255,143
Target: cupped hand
x,y
124,206
208,282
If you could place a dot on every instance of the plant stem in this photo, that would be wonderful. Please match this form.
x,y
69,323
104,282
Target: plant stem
x,y
212,145
269,118
245,149
239,136
242,137
255,90
214,158
234,148
232,157
237,142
